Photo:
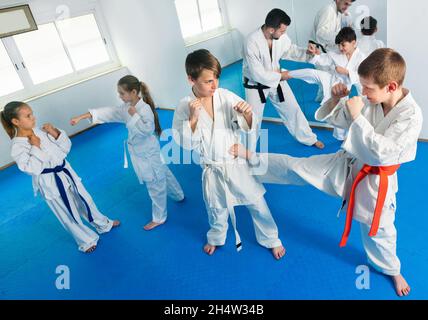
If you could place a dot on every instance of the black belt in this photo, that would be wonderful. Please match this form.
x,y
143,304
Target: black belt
x,y
260,87
318,45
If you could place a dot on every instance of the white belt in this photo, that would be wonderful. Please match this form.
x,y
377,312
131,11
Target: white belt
x,y
221,169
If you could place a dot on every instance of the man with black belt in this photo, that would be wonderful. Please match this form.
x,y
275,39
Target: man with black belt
x,y
263,78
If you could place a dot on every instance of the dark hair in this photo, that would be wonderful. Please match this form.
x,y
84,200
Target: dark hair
x,y
347,34
10,112
368,26
129,83
201,60
383,66
276,17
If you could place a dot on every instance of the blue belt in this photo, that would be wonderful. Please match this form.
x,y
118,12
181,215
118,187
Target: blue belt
x,y
62,192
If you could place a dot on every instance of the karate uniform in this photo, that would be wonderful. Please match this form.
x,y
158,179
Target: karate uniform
x,y
260,69
52,154
327,24
327,76
373,139
226,182
144,150
368,44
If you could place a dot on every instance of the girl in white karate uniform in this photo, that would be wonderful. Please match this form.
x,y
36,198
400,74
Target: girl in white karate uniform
x,y
335,67
42,154
139,114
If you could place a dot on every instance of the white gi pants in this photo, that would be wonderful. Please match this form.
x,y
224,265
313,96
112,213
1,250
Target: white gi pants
x,y
83,235
159,190
290,112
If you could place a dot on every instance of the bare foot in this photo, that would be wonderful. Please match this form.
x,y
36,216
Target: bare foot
x,y
209,249
319,145
116,223
152,225
91,249
278,252
401,286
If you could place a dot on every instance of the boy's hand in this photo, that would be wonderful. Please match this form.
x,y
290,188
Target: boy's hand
x,y
34,140
50,129
74,121
339,91
243,108
132,110
342,70
285,75
355,105
195,107
313,50
238,150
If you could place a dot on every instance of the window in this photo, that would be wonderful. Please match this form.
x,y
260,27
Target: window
x,y
9,79
83,40
199,19
59,53
43,53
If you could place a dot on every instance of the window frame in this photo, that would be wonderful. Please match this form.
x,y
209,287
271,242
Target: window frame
x,y
210,34
32,90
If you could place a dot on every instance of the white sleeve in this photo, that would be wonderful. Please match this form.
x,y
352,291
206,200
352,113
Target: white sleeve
x,y
323,60
142,122
296,53
182,131
325,30
353,75
382,149
63,141
257,70
338,117
29,159
238,117
106,114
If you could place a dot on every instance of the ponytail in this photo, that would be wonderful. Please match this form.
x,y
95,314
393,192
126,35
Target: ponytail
x,y
130,83
10,112
147,98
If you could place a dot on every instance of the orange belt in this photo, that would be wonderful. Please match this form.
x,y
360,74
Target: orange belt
x,y
383,172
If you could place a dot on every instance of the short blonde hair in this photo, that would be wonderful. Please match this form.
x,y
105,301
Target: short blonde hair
x,y
383,66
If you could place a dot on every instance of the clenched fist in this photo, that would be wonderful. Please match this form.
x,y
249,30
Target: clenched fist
x,y
339,91
243,108
355,105
34,140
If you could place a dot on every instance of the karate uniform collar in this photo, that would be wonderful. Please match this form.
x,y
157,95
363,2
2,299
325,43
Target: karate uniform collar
x,y
407,100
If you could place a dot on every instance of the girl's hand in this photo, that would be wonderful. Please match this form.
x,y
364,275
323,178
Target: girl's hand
x,y
132,110
342,70
74,121
50,129
34,140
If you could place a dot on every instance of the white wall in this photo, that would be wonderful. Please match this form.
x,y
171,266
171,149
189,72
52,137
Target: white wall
x,y
59,107
227,48
148,41
405,25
